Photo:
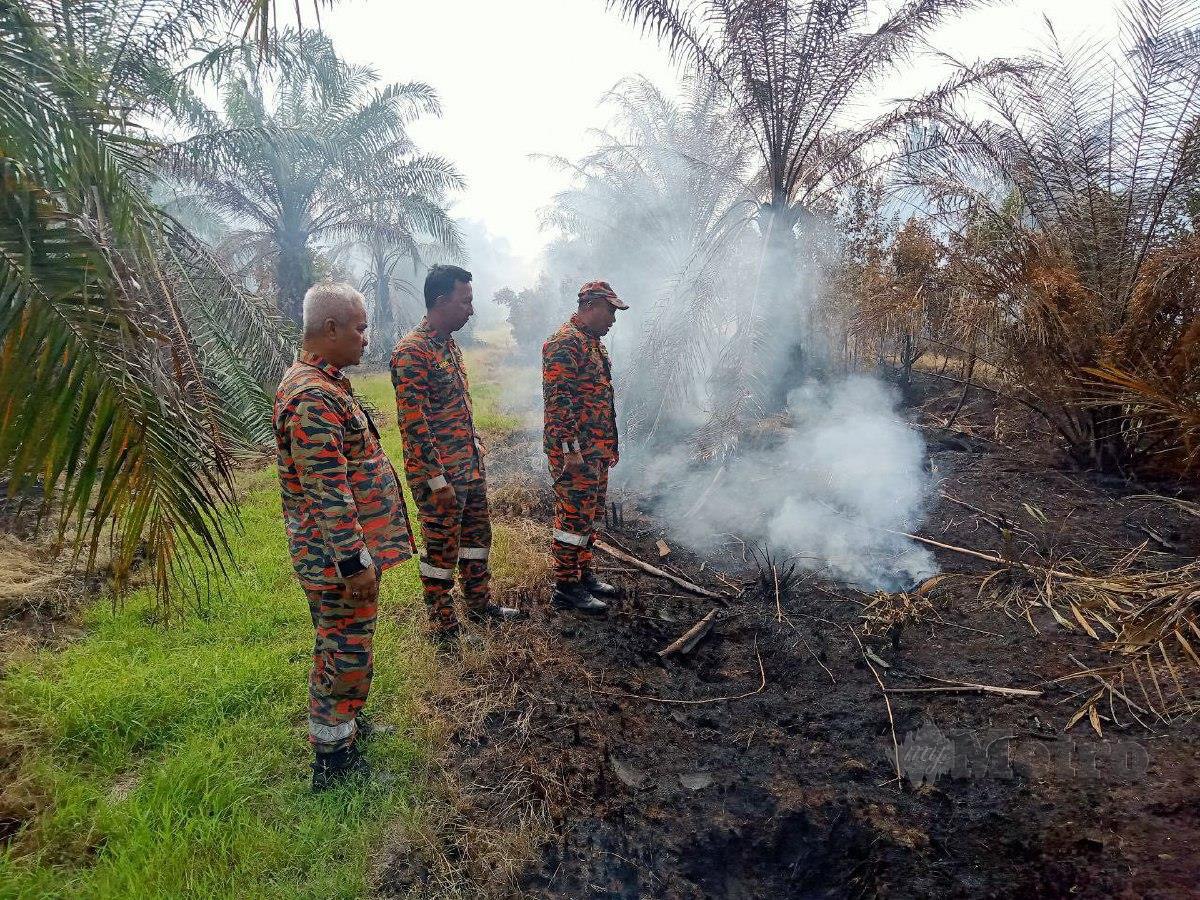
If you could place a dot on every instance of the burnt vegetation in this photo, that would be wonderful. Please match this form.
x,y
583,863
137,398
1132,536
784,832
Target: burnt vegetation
x,y
909,400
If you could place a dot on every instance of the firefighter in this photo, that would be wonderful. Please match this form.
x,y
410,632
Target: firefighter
x,y
443,457
345,517
581,442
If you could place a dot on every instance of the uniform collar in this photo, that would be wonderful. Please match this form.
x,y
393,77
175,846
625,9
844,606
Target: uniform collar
x,y
322,365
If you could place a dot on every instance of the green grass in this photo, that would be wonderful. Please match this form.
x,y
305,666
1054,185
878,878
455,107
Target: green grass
x,y
173,762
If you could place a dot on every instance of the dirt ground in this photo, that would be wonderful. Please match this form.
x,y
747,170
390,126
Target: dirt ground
x,y
762,763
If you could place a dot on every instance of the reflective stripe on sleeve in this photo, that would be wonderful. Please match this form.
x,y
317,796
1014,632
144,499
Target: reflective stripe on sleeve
x,y
436,484
474,552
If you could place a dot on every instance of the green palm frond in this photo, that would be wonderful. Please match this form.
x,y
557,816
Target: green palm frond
x,y
126,377
327,163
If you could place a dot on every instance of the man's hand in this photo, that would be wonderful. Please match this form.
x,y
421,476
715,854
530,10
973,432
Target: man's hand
x,y
616,459
444,499
364,586
573,462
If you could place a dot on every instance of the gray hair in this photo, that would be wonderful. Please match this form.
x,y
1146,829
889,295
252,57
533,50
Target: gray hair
x,y
328,300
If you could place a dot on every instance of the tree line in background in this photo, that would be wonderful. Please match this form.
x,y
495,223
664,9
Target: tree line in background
x,y
155,251
1032,221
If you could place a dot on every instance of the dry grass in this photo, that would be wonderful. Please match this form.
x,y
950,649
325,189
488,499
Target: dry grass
x,y
886,612
494,799
31,574
521,571
1149,621
519,495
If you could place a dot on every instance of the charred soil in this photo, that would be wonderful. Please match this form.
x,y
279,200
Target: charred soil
x,y
762,762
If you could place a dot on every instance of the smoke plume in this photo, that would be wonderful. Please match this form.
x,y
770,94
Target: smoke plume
x,y
832,488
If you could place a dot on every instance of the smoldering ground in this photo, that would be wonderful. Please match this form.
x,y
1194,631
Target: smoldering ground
x,y
831,485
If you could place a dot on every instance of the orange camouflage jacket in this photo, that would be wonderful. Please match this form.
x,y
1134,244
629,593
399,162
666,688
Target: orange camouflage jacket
x,y
578,393
433,408
340,491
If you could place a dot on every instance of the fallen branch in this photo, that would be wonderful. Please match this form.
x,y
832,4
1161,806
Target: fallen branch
x,y
681,583
687,641
991,689
965,687
758,690
886,702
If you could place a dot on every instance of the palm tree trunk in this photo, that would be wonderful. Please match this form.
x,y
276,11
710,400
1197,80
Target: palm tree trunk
x,y
294,274
383,317
786,351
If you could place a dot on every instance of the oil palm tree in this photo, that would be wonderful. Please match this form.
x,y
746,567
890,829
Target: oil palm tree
x,y
794,73
327,162
1083,173
661,206
124,382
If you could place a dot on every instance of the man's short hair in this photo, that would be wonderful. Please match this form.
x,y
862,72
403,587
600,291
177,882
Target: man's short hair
x,y
328,300
441,280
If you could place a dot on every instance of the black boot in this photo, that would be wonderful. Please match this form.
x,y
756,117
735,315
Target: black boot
x,y
332,769
596,587
573,595
493,612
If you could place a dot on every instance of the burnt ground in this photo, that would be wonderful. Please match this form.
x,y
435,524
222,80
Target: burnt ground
x,y
790,788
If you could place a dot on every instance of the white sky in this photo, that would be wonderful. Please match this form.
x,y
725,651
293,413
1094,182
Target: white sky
x,y
526,77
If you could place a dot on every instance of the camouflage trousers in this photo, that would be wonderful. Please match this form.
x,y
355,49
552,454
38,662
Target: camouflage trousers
x,y
461,540
578,502
343,662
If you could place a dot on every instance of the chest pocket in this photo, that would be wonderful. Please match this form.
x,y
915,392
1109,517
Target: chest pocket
x,y
443,383
360,435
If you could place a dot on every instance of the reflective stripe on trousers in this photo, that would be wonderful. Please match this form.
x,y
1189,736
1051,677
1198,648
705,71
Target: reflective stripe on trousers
x,y
330,734
434,572
575,540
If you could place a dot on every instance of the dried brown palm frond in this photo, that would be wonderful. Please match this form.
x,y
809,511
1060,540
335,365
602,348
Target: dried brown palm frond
x,y
1152,364
1083,171
1150,620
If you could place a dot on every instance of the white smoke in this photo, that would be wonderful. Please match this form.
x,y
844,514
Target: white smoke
x,y
726,327
833,490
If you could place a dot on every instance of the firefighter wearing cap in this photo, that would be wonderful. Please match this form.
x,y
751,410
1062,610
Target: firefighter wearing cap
x,y
443,458
580,442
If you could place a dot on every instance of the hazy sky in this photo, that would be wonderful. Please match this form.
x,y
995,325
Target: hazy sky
x,y
526,77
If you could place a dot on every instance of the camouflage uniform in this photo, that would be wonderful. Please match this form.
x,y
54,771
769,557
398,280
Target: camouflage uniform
x,y
341,497
580,416
433,408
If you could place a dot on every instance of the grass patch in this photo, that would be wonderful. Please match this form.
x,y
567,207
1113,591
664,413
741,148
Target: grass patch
x,y
172,762
152,762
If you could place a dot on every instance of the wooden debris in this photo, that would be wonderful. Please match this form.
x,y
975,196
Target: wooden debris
x,y
875,658
681,583
663,550
966,687
687,641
